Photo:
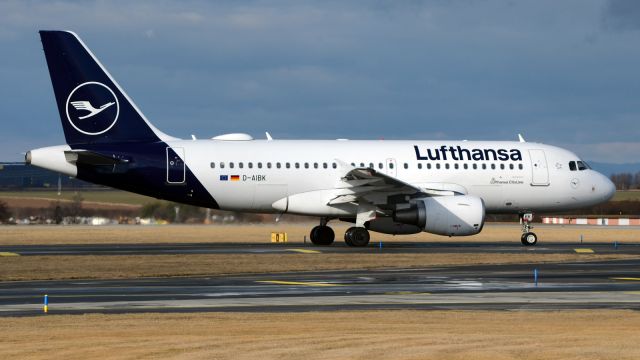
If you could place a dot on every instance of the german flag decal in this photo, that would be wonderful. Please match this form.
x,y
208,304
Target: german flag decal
x,y
235,177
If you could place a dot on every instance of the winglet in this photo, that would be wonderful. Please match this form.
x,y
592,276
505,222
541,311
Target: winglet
x,y
520,138
268,135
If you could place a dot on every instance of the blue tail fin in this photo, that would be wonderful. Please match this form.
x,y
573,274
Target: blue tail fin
x,y
92,106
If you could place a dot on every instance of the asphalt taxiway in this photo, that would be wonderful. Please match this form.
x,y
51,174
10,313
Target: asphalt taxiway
x,y
577,285
339,247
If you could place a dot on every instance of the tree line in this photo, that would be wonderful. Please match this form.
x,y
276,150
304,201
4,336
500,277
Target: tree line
x,y
626,181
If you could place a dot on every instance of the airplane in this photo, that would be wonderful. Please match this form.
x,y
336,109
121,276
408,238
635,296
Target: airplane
x,y
393,187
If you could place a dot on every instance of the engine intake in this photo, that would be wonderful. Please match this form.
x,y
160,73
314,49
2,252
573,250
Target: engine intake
x,y
445,215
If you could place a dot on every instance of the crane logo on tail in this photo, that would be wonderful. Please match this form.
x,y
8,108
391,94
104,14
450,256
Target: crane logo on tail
x,y
87,118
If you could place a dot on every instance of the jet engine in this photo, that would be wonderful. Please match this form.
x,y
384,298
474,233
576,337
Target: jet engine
x,y
445,215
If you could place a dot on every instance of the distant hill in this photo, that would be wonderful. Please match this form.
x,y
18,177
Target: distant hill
x,y
609,169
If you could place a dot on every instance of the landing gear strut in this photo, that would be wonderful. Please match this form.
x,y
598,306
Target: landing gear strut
x,y
357,237
528,237
322,235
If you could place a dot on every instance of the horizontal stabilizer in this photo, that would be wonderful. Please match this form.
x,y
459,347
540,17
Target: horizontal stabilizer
x,y
86,157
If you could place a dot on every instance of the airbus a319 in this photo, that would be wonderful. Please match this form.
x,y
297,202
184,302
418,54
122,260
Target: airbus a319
x,y
393,187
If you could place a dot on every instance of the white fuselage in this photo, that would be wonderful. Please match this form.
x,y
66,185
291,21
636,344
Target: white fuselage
x,y
253,175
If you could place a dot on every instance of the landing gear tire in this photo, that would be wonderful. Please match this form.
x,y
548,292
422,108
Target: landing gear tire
x,y
357,237
322,236
529,239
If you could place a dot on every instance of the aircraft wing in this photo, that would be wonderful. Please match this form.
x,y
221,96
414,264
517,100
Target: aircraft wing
x,y
371,186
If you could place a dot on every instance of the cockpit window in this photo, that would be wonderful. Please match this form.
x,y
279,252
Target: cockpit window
x,y
582,166
572,165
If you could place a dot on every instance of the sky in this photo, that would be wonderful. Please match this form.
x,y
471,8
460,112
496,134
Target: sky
x,y
560,72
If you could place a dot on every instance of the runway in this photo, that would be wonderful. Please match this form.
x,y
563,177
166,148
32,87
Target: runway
x,y
603,284
339,247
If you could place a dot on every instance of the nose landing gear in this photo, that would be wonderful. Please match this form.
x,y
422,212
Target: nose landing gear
x,y
528,237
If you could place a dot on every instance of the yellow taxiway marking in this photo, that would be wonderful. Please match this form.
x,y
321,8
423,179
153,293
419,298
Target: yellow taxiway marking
x,y
625,278
303,283
305,251
8,254
633,292
406,293
584,251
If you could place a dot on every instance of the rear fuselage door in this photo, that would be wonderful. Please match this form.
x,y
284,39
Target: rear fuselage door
x,y
539,170
175,165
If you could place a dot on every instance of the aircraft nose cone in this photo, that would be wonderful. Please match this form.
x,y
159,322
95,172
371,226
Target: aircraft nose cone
x,y
609,189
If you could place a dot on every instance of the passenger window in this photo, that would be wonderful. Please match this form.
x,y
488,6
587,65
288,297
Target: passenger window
x,y
259,165
269,165
334,165
230,165
278,165
428,165
446,166
315,165
370,165
250,165
361,165
406,166
297,165
465,166
520,166
353,164
484,166
324,165
493,166
475,166
581,166
501,166
419,166
438,166
390,165
213,165
380,166
240,165
287,165
572,165
511,166
221,165
306,165
455,166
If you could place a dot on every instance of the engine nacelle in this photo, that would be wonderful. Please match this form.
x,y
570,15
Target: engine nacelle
x,y
445,215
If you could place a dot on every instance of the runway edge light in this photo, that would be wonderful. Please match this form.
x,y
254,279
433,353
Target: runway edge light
x,y
46,303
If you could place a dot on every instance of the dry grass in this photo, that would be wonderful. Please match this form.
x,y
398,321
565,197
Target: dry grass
x,y
327,335
134,266
24,235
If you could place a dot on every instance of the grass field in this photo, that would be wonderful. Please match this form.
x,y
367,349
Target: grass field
x,y
478,335
99,196
123,197
630,195
261,233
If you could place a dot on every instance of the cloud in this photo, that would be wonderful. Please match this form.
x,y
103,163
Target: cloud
x,y
608,152
622,15
415,69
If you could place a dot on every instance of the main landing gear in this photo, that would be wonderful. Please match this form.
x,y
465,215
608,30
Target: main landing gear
x,y
323,235
528,237
357,236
